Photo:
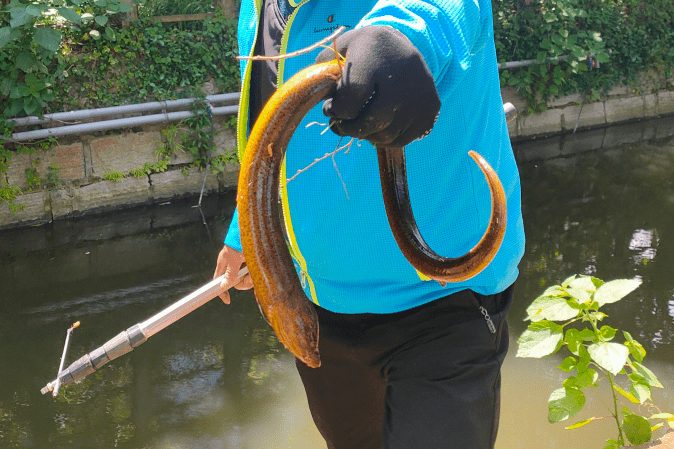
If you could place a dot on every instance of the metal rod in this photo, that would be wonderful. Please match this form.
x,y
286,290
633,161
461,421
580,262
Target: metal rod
x,y
137,334
63,356
85,114
113,124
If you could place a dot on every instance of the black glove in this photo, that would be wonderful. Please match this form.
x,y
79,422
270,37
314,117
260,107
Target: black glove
x,y
386,94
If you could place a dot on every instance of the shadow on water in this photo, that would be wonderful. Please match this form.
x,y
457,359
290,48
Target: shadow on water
x,y
219,378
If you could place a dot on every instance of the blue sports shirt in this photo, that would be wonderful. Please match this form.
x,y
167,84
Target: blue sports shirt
x,y
338,235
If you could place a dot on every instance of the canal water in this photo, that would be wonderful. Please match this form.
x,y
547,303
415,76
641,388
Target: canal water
x,y
600,202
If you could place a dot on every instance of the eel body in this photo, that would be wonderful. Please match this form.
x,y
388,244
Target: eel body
x,y
277,287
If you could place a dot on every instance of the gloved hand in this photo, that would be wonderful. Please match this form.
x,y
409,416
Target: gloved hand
x,y
386,94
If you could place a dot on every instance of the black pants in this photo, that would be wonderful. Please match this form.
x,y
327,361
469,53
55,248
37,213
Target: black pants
x,y
424,378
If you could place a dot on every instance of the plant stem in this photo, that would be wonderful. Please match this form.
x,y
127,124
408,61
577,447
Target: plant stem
x,y
615,407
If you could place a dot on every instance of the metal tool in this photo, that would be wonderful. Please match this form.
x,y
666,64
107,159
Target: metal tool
x,y
131,338
63,357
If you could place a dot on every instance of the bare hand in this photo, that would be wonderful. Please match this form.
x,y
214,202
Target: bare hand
x,y
229,263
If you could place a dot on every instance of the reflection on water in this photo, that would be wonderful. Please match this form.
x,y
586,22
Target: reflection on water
x,y
219,379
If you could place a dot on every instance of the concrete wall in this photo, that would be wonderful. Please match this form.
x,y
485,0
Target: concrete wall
x,y
84,162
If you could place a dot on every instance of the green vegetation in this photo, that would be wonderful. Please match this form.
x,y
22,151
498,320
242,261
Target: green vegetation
x,y
577,300
630,39
59,55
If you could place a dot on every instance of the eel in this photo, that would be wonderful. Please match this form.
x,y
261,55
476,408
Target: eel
x,y
277,287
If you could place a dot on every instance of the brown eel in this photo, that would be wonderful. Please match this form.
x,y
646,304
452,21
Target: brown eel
x,y
277,287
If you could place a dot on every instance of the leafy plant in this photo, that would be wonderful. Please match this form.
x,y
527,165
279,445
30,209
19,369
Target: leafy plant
x,y
594,357
637,34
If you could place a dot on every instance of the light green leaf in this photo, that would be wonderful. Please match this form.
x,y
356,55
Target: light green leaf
x,y
573,340
610,356
101,20
662,416
614,291
629,396
647,374
540,339
568,280
579,294
564,403
637,429
581,423
584,283
554,290
70,15
48,38
640,391
553,308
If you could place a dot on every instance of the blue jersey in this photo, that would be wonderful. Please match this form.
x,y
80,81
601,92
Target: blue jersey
x,y
337,230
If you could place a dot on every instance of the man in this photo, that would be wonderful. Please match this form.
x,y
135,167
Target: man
x,y
406,362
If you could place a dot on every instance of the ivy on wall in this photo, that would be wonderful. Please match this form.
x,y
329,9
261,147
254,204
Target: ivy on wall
x,y
60,55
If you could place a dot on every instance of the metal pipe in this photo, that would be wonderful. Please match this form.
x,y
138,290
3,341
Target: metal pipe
x,y
85,114
528,62
137,334
113,124
63,357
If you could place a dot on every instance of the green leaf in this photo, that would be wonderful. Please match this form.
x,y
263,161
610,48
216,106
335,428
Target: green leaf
x,y
125,7
35,10
540,339
101,20
70,15
614,291
26,61
19,17
610,356
48,38
636,349
569,364
8,34
581,423
607,332
553,308
637,429
110,33
564,403
647,374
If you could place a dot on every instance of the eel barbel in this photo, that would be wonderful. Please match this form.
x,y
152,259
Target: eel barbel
x,y
278,291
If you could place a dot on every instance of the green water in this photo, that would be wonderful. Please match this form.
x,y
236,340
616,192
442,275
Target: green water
x,y
219,379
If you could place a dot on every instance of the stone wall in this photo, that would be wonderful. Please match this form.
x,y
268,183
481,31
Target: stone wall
x,y
83,162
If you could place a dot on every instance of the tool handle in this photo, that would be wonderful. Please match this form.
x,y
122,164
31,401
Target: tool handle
x,y
137,334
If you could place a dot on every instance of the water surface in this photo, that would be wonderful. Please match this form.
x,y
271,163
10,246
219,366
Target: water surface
x,y
219,379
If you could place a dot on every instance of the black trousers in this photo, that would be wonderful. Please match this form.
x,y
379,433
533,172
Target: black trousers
x,y
424,378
